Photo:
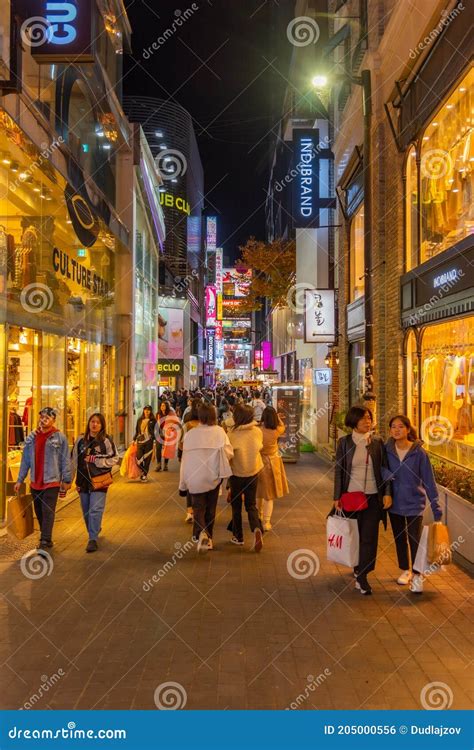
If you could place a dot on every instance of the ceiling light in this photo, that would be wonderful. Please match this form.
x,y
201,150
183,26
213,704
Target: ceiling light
x,y
5,158
14,166
159,134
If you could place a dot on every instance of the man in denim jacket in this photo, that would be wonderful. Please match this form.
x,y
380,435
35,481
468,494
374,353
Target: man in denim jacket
x,y
46,457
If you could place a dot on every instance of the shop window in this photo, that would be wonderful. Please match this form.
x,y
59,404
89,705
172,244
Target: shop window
x,y
412,394
447,173
411,211
356,256
356,372
447,390
75,392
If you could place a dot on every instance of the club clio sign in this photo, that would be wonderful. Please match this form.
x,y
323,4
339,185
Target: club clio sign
x,y
58,31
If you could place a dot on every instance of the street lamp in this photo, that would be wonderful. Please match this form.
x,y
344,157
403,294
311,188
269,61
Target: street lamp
x,y
365,82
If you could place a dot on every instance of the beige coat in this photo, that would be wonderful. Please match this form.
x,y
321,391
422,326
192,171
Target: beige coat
x,y
247,443
272,482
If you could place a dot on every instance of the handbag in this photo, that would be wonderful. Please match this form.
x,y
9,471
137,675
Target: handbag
x,y
352,502
20,515
101,481
342,540
439,545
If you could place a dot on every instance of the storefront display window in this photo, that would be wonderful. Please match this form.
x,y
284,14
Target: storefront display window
x,y
356,372
412,380
447,173
447,390
356,255
411,211
51,374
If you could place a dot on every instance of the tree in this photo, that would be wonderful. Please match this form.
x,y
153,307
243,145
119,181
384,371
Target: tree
x,y
273,267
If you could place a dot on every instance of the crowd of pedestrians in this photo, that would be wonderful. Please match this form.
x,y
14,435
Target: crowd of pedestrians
x,y
226,441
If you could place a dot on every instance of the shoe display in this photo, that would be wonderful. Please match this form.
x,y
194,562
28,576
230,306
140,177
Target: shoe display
x,y
416,585
404,578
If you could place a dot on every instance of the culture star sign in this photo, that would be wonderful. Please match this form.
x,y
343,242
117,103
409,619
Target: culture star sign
x,y
320,319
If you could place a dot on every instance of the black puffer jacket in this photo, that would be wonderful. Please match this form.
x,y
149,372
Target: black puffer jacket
x,y
344,455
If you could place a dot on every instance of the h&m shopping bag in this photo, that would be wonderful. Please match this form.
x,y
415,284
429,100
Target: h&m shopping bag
x,y
20,515
342,540
439,544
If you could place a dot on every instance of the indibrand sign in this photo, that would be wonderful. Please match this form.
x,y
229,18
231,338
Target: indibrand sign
x,y
311,188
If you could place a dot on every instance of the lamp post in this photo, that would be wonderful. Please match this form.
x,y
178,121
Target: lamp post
x,y
365,82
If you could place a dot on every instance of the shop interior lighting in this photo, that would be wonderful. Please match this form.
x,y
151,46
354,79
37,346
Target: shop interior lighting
x,y
106,146
23,176
319,82
159,134
5,158
23,338
99,133
14,166
163,145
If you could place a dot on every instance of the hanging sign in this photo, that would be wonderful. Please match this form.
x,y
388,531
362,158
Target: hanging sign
x,y
320,318
58,32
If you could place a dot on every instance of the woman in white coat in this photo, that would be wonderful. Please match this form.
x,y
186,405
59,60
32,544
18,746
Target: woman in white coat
x,y
204,464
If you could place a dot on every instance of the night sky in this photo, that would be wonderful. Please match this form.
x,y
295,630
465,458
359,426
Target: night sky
x,y
227,66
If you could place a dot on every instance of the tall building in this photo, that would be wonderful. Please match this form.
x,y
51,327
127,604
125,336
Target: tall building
x,y
169,131
420,217
65,262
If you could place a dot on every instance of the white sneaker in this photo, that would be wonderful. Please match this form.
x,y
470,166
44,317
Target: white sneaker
x,y
416,585
203,543
267,526
189,517
404,578
210,544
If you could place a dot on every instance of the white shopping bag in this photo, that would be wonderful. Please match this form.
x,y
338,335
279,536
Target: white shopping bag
x,y
421,563
342,540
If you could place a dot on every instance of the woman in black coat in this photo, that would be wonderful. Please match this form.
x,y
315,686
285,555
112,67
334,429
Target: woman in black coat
x,y
144,438
360,457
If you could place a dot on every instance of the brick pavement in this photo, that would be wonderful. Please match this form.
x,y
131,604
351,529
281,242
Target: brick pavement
x,y
234,629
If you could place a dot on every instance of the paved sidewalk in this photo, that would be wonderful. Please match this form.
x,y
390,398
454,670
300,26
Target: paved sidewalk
x,y
231,629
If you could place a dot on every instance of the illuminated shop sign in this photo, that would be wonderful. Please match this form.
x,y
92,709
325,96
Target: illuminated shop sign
x,y
175,201
322,376
448,277
211,234
82,215
70,268
219,270
211,307
170,368
311,183
59,31
210,347
320,318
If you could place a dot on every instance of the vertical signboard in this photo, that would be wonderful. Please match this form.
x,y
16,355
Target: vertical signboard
x,y
286,400
211,234
219,266
210,347
320,316
211,307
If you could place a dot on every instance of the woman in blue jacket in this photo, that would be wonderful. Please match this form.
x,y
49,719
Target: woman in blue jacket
x,y
413,483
